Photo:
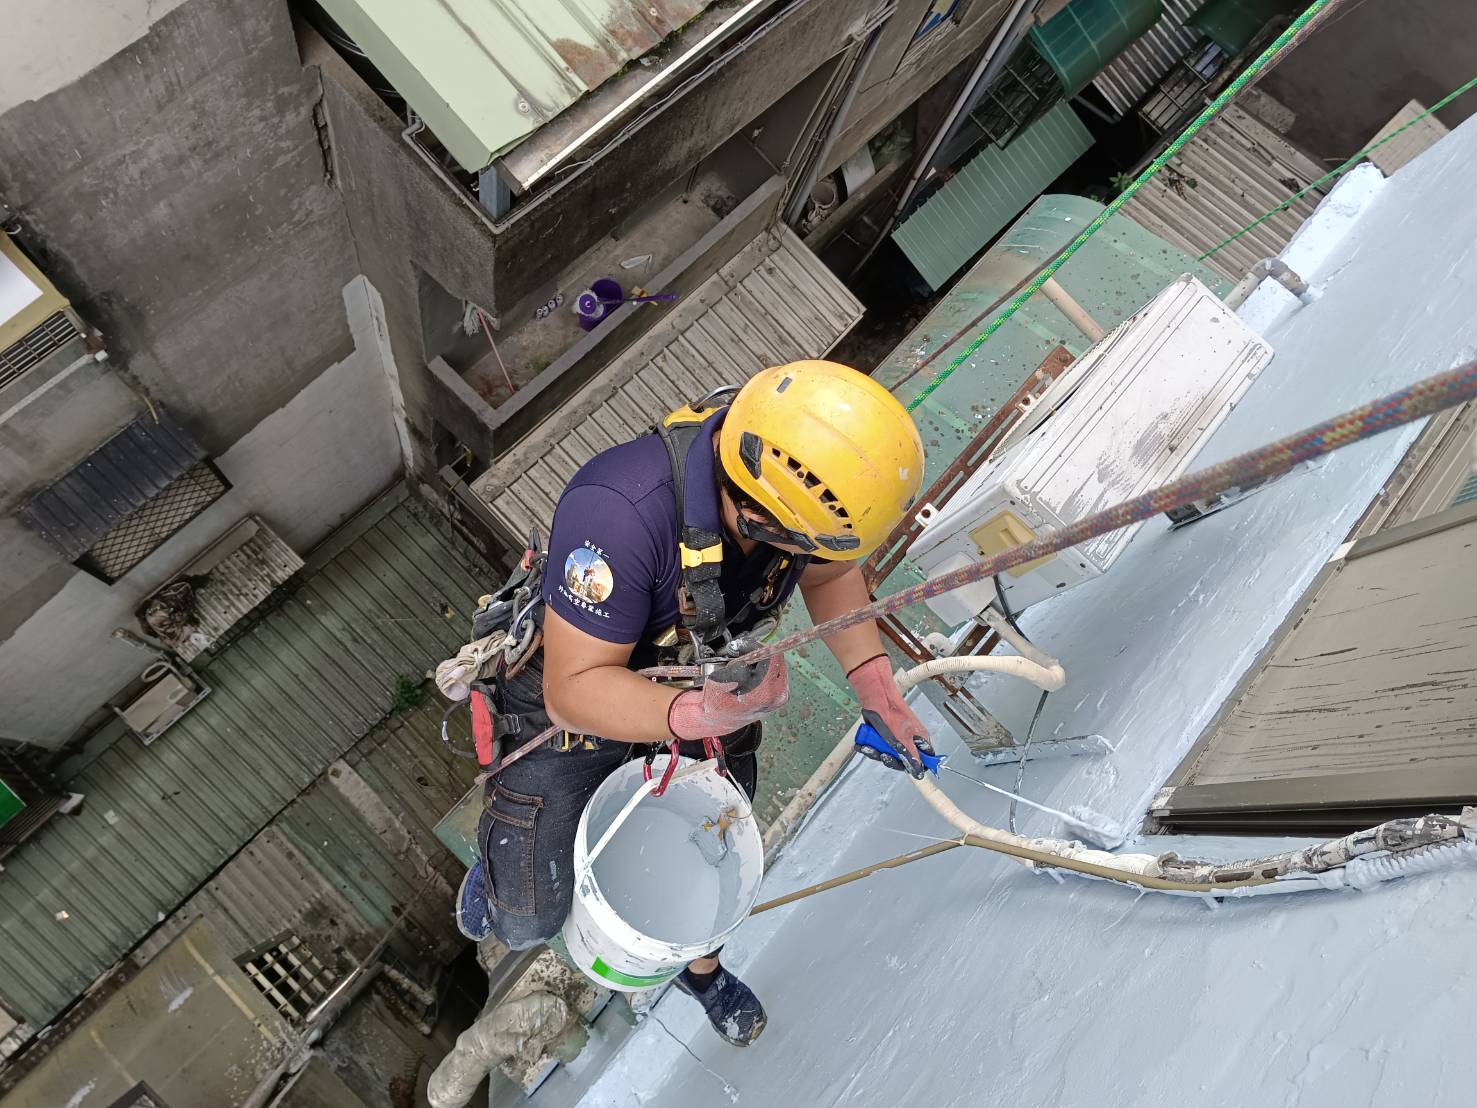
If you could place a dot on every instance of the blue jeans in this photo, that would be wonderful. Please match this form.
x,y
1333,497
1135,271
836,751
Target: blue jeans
x,y
529,819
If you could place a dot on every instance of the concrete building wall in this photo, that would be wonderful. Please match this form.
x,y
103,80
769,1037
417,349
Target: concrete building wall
x,y
1348,80
179,195
303,469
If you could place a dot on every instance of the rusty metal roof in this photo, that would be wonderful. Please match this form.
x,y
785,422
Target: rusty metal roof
x,y
115,480
485,73
387,596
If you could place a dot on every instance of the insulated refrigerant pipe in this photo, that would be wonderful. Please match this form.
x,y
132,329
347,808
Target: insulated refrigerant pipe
x,y
1165,873
1399,847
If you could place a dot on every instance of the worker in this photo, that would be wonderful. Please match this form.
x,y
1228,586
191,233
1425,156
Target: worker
x,y
694,533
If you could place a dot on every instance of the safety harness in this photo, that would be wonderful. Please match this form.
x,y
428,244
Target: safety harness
x,y
706,629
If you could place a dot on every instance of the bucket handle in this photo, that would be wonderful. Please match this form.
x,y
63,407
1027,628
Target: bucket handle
x,y
636,798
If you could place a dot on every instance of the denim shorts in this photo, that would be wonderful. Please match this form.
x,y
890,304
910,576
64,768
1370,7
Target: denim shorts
x,y
531,813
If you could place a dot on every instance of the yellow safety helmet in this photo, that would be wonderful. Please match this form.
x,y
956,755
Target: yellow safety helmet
x,y
827,452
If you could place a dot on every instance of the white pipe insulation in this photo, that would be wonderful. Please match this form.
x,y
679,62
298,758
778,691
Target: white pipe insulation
x,y
1391,850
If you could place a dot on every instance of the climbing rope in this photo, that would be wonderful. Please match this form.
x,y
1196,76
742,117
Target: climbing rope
x,y
1340,170
1295,32
1425,397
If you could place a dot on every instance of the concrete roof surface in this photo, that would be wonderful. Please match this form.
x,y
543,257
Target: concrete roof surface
x,y
963,979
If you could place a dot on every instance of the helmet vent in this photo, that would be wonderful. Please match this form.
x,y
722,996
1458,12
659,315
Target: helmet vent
x,y
826,497
751,449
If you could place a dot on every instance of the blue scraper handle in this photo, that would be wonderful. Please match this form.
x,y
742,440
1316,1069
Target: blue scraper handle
x,y
866,735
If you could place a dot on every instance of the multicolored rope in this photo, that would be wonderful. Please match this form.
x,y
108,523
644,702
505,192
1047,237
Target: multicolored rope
x,y
1444,390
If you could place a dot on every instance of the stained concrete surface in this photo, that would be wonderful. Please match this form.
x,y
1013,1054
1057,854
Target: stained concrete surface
x,y
965,980
1377,54
178,194
190,1024
530,343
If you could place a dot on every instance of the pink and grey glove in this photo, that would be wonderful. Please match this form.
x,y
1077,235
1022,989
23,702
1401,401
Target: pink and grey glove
x,y
733,696
885,709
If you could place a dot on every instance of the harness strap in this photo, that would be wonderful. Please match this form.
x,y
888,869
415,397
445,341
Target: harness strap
x,y
700,550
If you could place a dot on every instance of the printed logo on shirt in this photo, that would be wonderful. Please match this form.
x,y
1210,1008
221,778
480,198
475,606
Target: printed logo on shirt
x,y
587,575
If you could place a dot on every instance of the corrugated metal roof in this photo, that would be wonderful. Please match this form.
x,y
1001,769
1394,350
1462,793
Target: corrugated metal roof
x,y
1128,78
335,871
967,212
1350,718
289,698
1227,176
773,303
116,479
485,73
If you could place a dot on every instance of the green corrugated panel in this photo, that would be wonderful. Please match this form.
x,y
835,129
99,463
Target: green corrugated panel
x,y
1086,35
296,692
485,73
950,227
10,804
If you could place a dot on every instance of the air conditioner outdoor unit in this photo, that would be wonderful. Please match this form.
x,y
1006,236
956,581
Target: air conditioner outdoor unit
x,y
1130,414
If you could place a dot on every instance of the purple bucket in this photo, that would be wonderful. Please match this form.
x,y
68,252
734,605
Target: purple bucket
x,y
603,297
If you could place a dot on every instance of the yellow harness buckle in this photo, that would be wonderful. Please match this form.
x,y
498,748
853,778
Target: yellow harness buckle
x,y
693,558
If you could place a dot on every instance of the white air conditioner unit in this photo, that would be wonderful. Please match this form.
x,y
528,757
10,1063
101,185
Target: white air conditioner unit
x,y
1129,415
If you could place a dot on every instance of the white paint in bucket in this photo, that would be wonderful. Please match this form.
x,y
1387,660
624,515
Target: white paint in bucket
x,y
647,898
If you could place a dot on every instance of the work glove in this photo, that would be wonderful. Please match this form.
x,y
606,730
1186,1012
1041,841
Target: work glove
x,y
733,696
885,709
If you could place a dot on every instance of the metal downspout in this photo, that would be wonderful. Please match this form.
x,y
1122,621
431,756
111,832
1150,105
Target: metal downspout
x,y
795,205
1011,29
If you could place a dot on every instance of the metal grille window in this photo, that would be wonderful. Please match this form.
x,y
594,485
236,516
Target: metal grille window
x,y
143,531
288,974
1020,95
35,345
1183,93
140,1096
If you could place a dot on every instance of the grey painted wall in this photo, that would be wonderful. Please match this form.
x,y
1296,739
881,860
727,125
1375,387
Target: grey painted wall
x,y
178,194
303,469
1377,57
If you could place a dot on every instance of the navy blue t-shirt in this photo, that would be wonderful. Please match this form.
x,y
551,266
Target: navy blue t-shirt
x,y
612,569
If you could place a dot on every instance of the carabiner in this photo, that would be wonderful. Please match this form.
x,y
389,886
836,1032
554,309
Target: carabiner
x,y
673,753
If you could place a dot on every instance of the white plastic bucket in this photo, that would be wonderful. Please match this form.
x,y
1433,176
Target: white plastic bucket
x,y
655,886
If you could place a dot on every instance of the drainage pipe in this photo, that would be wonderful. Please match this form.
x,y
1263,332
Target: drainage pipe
x,y
1286,276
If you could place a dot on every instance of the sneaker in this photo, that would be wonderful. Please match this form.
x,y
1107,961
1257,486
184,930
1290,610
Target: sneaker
x,y
733,1009
472,917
